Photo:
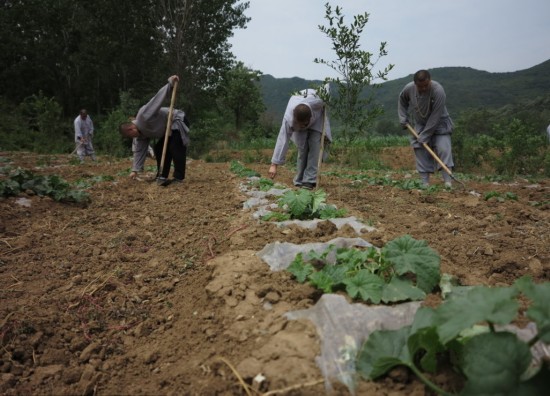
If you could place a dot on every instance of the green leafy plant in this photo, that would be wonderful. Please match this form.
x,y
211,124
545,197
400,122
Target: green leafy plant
x,y
308,204
500,197
331,212
404,269
53,186
464,331
240,170
264,184
276,216
404,184
87,183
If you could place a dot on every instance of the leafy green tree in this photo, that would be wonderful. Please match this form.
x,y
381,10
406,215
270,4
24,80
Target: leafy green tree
x,y
353,104
511,140
196,40
77,51
107,139
522,150
118,50
241,95
83,53
46,131
387,127
13,128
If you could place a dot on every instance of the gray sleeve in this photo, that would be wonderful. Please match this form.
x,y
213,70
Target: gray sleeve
x,y
139,147
403,106
152,108
434,118
77,134
281,147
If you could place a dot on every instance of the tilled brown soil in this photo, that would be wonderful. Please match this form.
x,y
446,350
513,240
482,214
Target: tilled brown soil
x,y
151,290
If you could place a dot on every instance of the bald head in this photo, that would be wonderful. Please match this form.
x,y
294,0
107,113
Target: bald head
x,y
421,76
302,116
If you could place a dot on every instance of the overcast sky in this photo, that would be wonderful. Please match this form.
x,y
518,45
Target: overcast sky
x,y
283,38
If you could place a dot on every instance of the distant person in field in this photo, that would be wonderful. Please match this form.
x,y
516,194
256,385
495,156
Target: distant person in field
x,y
303,124
150,123
422,104
83,134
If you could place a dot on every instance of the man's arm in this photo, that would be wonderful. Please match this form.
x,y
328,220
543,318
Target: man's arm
x,y
438,108
77,132
152,107
403,108
281,148
140,148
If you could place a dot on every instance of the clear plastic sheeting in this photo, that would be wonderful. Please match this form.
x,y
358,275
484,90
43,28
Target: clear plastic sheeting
x,y
27,203
254,201
279,255
261,201
338,222
344,327
540,350
260,198
264,210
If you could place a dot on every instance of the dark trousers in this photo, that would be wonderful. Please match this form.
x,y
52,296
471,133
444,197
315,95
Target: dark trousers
x,y
175,151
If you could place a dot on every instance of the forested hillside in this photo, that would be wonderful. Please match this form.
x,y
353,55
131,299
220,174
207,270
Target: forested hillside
x,y
466,88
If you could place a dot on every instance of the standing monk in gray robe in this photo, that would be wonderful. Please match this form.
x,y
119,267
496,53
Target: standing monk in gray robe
x,y
83,134
422,104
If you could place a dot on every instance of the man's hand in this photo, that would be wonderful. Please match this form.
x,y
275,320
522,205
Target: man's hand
x,y
133,175
423,138
173,79
404,125
273,171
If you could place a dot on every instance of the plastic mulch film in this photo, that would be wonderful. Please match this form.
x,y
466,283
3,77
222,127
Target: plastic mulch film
x,y
540,351
344,327
279,255
338,222
260,200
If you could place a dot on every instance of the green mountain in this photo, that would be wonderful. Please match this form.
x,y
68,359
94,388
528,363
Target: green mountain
x,y
466,89
276,92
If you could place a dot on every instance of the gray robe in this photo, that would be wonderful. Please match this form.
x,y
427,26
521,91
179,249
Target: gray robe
x,y
308,140
430,118
151,122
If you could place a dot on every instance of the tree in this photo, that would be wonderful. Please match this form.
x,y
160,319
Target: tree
x,y
84,53
353,104
195,36
80,52
242,96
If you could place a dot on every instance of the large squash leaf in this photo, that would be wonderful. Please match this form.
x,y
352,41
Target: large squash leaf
x,y
411,256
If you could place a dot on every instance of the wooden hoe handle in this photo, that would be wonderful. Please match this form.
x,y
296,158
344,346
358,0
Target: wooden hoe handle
x,y
428,148
168,127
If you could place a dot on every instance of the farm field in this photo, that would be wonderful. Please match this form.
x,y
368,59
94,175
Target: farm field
x,y
159,290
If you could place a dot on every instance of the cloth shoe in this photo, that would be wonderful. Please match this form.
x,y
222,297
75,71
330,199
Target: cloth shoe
x,y
425,178
163,181
308,186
